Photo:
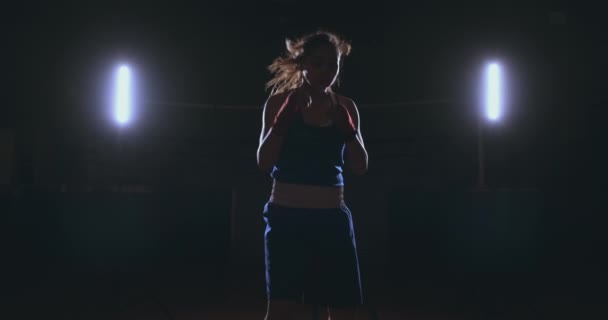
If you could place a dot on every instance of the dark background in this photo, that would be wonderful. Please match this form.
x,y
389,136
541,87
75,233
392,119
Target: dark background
x,y
167,212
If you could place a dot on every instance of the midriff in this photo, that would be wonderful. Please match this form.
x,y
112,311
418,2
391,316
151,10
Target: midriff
x,y
306,196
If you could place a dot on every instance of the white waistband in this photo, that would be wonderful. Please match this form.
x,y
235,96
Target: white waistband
x,y
306,196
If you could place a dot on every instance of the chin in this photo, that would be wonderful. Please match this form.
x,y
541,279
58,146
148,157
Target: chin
x,y
323,84
330,83
327,85
320,87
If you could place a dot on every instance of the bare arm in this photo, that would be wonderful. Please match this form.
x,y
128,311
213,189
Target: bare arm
x,y
355,153
270,144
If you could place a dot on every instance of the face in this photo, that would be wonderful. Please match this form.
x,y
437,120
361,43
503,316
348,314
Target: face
x,y
321,67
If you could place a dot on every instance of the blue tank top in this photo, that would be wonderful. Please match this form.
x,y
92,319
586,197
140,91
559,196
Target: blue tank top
x,y
311,155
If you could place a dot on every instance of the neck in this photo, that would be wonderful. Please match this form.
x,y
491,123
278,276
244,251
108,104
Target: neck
x,y
316,92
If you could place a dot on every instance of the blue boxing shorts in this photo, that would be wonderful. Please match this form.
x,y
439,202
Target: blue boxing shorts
x,y
311,256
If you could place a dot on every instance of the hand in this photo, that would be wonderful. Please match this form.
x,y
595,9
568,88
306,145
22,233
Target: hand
x,y
344,122
293,103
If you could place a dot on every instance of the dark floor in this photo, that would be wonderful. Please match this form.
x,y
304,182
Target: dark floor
x,y
177,295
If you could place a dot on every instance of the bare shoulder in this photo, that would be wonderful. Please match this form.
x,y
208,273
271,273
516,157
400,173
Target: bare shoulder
x,y
348,103
273,105
270,110
274,101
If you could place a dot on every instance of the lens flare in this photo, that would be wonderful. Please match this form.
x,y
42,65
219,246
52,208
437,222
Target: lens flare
x,y
123,96
493,92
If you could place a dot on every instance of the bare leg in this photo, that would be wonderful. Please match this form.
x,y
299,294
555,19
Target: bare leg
x,y
282,309
342,313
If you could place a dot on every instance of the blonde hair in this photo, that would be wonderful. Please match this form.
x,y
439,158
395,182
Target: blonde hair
x,y
286,69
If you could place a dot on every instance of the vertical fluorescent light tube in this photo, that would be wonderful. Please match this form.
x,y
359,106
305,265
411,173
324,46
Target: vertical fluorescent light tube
x,y
493,92
122,102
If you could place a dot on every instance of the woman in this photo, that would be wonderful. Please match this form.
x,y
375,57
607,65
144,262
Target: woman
x,y
309,134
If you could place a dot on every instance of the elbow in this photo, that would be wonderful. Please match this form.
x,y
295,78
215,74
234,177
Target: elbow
x,y
358,170
357,166
264,165
356,159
